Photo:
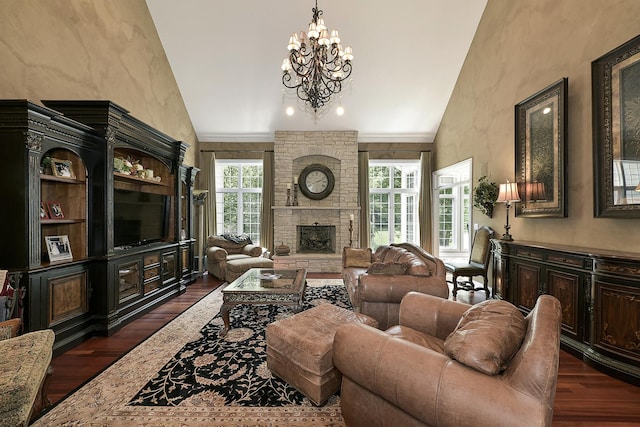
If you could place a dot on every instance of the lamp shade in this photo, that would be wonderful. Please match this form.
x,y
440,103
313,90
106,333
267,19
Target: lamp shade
x,y
536,191
508,193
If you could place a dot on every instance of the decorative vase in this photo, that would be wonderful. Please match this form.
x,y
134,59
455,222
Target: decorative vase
x,y
282,249
489,211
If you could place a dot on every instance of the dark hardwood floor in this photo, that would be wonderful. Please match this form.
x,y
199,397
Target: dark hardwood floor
x,y
584,396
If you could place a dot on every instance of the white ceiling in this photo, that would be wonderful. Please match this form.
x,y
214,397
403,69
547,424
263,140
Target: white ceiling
x,y
226,58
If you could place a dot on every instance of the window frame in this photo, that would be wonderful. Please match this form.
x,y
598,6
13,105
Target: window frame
x,y
411,224
252,229
461,237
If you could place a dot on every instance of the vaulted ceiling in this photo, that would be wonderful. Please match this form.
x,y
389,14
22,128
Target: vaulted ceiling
x,y
226,58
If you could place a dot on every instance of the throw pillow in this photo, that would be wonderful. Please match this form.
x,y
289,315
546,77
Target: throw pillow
x,y
356,257
487,336
387,268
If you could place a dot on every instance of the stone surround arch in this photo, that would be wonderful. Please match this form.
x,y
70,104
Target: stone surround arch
x,y
293,151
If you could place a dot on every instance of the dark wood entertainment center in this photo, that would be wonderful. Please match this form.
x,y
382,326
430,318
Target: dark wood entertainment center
x,y
103,286
599,292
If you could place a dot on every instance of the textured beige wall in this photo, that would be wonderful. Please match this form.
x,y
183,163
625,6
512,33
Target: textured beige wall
x,y
520,48
86,49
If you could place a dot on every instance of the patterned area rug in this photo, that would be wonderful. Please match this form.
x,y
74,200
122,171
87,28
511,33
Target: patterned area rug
x,y
185,375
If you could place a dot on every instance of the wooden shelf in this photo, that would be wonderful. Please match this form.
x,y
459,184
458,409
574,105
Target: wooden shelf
x,y
48,221
137,179
54,178
316,208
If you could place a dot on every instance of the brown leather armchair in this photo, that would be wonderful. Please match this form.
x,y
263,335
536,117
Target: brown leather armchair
x,y
404,377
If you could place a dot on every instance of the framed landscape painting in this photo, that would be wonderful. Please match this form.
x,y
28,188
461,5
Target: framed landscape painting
x,y
541,153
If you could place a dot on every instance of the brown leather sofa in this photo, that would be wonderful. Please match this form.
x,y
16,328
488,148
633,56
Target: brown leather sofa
x,y
413,374
227,260
376,282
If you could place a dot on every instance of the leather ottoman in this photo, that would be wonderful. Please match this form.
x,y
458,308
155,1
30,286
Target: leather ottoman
x,y
236,267
300,349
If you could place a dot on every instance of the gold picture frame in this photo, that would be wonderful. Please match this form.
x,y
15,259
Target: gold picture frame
x,y
62,168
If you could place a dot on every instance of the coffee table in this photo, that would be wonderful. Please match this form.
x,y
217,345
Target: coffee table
x,y
264,286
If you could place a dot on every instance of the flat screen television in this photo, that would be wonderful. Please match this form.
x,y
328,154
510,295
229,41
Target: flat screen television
x,y
139,217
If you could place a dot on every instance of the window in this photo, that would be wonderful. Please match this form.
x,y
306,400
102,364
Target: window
x,y
453,197
393,202
239,197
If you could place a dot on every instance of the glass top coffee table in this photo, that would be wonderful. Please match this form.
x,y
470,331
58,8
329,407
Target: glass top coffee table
x,y
264,286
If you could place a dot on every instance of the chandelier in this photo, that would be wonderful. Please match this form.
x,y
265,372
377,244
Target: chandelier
x,y
317,65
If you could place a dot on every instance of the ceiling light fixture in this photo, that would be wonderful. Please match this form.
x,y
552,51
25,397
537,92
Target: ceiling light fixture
x,y
317,65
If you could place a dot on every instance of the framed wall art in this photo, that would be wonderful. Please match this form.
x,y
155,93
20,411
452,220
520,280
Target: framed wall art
x,y
615,79
541,153
58,248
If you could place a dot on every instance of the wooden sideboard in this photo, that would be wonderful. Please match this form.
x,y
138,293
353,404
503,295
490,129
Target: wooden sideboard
x,y
599,292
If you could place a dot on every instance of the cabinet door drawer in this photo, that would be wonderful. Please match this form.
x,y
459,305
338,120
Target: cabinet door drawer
x,y
151,286
616,327
151,259
68,297
566,287
150,273
528,279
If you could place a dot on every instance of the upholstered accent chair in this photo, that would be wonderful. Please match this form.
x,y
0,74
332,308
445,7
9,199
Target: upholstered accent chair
x,y
228,258
477,265
452,364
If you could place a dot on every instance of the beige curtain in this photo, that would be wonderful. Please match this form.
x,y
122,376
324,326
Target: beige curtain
x,y
424,202
266,226
363,194
208,183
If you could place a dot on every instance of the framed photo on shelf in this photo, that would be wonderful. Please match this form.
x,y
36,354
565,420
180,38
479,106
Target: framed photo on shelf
x,y
58,248
55,210
44,213
62,168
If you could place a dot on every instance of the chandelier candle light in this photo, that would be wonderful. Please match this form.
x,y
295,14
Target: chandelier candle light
x,y
317,64
508,194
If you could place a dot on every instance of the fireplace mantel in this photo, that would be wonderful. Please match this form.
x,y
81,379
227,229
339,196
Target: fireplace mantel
x,y
319,208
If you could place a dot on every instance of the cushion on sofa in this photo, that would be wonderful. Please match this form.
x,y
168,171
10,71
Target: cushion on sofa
x,y
487,336
385,253
388,268
415,266
356,257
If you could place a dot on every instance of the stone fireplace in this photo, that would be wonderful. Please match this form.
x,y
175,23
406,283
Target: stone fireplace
x,y
293,151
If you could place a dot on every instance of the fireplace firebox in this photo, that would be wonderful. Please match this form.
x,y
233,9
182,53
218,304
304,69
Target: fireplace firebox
x,y
316,238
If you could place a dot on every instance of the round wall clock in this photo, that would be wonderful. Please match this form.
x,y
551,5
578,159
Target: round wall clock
x,y
316,181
